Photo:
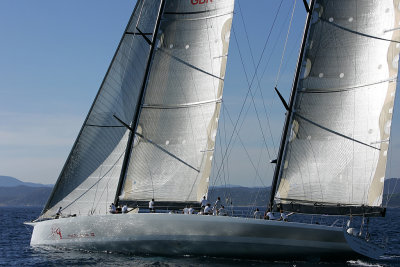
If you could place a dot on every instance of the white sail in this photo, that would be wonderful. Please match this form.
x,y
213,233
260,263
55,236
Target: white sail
x,y
336,151
171,159
89,179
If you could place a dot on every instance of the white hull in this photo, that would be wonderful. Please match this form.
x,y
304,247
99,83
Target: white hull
x,y
178,234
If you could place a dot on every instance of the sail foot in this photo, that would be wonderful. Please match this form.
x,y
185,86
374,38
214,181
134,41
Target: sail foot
x,y
331,209
161,205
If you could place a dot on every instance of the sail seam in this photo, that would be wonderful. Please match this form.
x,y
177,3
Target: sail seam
x,y
193,19
155,106
105,126
343,89
189,13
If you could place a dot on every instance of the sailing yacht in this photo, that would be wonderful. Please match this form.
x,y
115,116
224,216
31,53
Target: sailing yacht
x,y
151,131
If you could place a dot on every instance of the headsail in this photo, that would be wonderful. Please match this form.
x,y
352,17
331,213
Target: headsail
x,y
336,151
89,179
181,105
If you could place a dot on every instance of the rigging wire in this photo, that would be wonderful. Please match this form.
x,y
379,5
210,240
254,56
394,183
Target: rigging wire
x,y
227,162
247,152
251,94
391,193
225,110
287,16
98,181
284,47
248,91
280,31
259,87
258,78
294,49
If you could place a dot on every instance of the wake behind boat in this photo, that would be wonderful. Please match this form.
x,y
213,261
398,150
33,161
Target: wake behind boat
x,y
151,131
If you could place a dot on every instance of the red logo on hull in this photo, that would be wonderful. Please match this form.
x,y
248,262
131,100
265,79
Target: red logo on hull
x,y
56,231
200,2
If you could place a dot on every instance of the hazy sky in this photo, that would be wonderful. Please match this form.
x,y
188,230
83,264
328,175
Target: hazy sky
x,y
54,55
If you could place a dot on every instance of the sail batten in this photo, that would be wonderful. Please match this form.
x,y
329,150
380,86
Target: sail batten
x,y
187,105
343,104
360,33
343,89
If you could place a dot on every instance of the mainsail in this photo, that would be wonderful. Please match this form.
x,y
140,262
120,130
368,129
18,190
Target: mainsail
x,y
172,86
88,181
180,111
336,149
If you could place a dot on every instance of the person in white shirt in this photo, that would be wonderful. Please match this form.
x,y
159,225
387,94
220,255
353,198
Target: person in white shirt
x,y
257,214
207,209
125,209
222,211
270,215
203,202
186,210
112,208
283,216
151,205
191,210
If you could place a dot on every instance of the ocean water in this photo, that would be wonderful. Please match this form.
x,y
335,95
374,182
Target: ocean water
x,y
15,249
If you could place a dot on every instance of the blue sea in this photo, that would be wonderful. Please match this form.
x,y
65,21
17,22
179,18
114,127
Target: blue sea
x,y
15,249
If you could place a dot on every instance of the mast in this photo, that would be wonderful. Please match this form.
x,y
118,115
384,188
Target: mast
x,y
290,106
135,120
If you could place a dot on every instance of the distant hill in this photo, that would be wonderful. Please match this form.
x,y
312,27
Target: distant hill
x,y
14,192
37,195
24,196
253,196
392,186
240,196
394,200
227,185
8,181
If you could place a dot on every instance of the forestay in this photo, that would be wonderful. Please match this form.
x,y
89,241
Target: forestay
x,y
172,153
88,181
336,151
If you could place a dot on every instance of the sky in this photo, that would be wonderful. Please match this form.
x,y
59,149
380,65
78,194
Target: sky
x,y
54,55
